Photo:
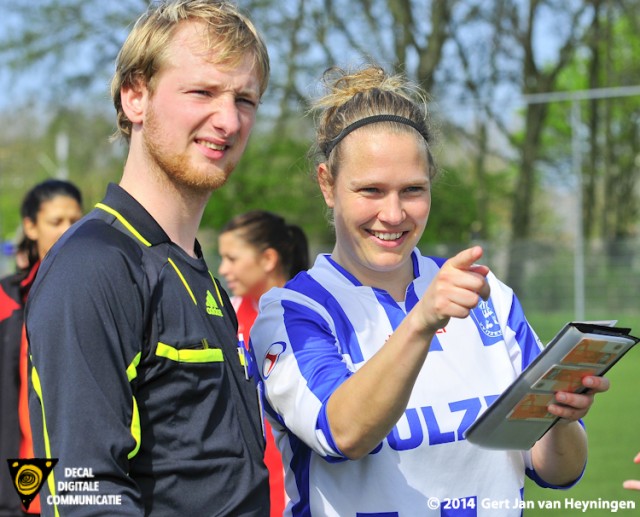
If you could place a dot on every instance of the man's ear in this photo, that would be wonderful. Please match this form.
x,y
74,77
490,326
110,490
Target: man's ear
x,y
134,98
325,180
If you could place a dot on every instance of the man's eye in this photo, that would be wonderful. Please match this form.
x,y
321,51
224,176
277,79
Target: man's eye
x,y
412,190
248,101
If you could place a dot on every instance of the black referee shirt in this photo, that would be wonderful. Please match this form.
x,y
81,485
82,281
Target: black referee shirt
x,y
136,380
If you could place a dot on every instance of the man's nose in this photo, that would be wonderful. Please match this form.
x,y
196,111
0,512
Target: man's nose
x,y
226,116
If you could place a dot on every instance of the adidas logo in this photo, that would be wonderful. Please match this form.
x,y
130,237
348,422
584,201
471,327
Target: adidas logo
x,y
212,305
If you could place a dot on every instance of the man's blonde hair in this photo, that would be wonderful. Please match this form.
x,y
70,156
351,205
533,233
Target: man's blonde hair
x,y
231,35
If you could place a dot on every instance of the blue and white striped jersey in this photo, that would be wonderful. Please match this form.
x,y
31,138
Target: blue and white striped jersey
x,y
311,335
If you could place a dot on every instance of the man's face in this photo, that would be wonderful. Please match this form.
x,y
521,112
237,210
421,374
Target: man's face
x,y
200,114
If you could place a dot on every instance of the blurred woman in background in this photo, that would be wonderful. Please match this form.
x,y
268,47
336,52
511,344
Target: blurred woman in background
x,y
259,250
47,211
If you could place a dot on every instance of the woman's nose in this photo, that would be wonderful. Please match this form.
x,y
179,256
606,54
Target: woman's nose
x,y
392,211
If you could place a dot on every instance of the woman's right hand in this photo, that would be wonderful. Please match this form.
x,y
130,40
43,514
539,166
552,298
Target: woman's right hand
x,y
455,291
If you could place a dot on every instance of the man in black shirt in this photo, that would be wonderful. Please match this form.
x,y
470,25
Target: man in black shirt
x,y
138,388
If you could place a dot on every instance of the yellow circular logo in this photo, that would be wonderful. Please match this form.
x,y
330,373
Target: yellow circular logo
x,y
28,479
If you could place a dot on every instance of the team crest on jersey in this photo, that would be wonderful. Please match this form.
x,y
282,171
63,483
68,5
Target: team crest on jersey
x,y
485,316
271,357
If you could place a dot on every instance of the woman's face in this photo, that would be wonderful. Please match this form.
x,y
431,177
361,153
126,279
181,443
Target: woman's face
x,y
54,218
381,200
243,267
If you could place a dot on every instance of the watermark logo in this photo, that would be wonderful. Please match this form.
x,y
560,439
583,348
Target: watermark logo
x,y
29,475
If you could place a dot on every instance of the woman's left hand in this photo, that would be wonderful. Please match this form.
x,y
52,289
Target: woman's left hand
x,y
574,406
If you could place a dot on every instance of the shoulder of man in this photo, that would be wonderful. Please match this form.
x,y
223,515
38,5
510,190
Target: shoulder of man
x,y
91,252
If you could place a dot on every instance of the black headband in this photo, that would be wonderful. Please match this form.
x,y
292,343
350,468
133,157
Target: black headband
x,y
370,120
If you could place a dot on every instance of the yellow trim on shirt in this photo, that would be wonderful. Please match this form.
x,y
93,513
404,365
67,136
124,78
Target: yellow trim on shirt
x,y
136,430
124,222
184,281
202,355
215,284
37,387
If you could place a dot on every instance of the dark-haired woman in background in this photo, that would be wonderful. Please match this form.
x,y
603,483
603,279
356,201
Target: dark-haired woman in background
x,y
260,250
47,211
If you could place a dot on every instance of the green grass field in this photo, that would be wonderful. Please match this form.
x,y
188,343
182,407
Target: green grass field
x,y
613,427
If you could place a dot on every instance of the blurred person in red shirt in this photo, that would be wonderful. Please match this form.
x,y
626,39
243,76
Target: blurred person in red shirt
x,y
260,250
47,211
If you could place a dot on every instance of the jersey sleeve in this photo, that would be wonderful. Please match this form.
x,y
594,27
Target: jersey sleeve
x,y
299,361
85,327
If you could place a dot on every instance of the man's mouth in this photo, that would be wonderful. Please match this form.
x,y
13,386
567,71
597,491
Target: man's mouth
x,y
211,145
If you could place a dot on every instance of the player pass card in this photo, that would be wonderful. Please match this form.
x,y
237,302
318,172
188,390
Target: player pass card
x,y
594,351
533,406
563,378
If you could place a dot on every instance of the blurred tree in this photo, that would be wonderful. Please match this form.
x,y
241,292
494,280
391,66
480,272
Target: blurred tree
x,y
273,175
62,51
520,26
28,155
620,145
475,57
610,126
